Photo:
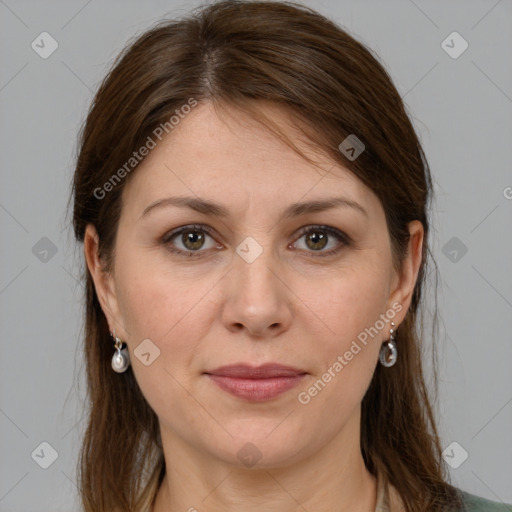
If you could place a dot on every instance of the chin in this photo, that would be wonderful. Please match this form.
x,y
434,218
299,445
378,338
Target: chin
x,y
261,447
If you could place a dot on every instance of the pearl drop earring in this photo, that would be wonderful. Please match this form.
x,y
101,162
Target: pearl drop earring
x,y
121,358
388,352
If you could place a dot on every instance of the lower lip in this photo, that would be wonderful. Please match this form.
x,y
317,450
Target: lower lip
x,y
256,390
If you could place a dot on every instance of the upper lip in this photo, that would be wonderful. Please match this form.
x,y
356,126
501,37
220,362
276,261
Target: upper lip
x,y
247,371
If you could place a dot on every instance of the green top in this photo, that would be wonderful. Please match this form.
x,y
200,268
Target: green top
x,y
474,503
470,502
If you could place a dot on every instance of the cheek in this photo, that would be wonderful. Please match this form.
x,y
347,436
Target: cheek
x,y
347,303
347,352
350,333
156,305
161,306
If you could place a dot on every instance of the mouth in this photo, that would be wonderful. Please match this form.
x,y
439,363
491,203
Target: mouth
x,y
256,384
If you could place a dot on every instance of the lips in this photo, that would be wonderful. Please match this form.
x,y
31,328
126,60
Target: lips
x,y
265,371
256,383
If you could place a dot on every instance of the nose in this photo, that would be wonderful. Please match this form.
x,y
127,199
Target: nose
x,y
258,299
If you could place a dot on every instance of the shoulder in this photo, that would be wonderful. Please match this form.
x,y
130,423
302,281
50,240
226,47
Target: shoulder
x,y
473,503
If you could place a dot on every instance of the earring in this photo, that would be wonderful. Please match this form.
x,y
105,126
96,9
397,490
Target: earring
x,y
121,358
388,352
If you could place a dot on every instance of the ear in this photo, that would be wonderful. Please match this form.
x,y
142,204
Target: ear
x,y
103,282
405,281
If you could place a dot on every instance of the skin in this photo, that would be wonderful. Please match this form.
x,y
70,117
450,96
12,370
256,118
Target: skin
x,y
289,305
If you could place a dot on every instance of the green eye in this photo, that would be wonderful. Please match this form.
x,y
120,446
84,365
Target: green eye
x,y
194,238
318,237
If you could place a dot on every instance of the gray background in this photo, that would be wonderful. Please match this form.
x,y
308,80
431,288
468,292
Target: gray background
x,y
462,109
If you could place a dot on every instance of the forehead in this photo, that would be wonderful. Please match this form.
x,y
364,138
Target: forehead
x,y
227,155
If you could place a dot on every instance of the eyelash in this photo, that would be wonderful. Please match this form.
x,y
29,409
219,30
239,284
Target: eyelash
x,y
342,237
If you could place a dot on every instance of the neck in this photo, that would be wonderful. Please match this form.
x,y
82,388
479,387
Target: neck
x,y
334,479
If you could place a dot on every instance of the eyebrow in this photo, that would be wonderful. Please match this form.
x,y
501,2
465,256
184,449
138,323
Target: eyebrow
x,y
218,210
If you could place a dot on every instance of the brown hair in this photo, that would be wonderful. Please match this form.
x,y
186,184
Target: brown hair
x,y
238,53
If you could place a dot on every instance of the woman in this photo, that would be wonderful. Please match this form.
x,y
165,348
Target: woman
x,y
253,203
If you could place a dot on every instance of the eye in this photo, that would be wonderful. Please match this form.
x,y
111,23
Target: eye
x,y
191,238
318,238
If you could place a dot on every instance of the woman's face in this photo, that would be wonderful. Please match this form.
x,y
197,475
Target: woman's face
x,y
259,280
